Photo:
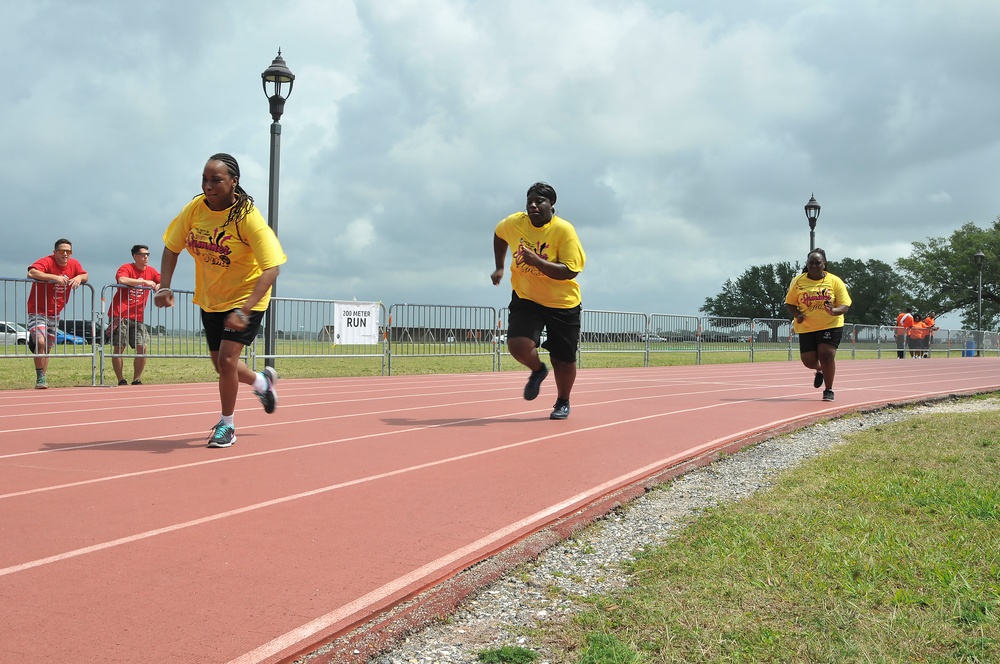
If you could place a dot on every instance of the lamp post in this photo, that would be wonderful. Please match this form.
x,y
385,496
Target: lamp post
x,y
275,76
980,257
812,214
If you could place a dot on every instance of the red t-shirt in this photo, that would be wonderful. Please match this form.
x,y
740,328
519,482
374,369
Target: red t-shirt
x,y
131,302
47,298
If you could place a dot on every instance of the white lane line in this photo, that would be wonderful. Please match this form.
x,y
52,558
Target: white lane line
x,y
362,480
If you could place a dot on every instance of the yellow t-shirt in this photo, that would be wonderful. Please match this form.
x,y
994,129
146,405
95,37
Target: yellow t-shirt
x,y
810,296
226,268
557,242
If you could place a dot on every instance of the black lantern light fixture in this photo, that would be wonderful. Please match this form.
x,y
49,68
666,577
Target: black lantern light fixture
x,y
812,214
277,75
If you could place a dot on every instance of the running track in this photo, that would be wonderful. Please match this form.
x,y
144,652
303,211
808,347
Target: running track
x,y
122,538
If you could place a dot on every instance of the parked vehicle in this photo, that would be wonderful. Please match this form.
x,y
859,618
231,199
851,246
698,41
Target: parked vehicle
x,y
13,333
66,338
79,328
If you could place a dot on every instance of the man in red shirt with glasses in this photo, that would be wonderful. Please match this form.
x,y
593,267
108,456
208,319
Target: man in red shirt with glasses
x,y
127,313
54,276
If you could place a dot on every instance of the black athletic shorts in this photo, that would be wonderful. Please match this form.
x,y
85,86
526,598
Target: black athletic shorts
x,y
562,326
216,330
810,341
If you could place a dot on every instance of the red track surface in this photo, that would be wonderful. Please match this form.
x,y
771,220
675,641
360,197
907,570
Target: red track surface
x,y
122,538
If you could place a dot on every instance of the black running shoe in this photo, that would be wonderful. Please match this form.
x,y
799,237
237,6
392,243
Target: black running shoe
x,y
560,411
827,395
818,380
123,382
535,382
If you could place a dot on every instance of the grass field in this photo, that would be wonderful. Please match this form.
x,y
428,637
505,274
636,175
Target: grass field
x,y
886,549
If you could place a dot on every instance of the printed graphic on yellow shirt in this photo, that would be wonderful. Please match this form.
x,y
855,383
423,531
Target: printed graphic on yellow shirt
x,y
815,299
541,250
210,247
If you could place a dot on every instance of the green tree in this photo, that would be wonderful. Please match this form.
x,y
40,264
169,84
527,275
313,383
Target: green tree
x,y
877,290
943,276
757,293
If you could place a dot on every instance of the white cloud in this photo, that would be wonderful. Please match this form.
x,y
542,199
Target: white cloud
x,y
683,139
358,236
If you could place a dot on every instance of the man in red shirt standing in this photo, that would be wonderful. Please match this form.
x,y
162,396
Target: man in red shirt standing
x,y
127,313
54,277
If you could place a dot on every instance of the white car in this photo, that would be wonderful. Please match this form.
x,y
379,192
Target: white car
x,y
13,333
503,338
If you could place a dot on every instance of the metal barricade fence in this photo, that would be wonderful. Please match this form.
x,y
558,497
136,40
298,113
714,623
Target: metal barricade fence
x,y
174,332
948,342
672,339
463,336
866,341
977,343
75,336
304,333
619,335
939,343
305,330
13,325
773,339
450,332
991,343
724,339
962,342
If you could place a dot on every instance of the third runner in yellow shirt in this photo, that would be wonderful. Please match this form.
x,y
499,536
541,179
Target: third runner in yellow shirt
x,y
818,300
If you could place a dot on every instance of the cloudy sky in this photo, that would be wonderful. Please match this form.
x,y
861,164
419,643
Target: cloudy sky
x,y
683,138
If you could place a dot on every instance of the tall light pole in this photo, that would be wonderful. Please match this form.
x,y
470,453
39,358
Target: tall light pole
x,y
980,257
276,76
812,214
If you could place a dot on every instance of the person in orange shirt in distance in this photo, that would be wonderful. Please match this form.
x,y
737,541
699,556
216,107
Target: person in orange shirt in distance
x,y
904,321
918,338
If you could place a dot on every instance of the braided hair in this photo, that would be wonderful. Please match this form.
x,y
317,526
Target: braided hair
x,y
244,201
821,253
